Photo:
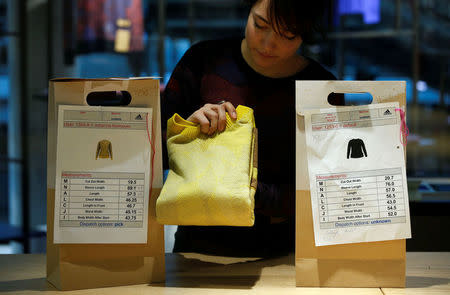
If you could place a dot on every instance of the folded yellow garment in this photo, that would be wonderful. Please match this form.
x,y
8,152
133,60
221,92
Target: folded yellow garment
x,y
212,179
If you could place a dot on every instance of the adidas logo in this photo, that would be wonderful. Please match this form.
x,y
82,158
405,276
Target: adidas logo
x,y
138,117
387,113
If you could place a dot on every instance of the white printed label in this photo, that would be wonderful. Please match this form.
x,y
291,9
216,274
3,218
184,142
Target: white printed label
x,y
102,175
357,174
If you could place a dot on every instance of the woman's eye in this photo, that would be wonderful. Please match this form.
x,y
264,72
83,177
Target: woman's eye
x,y
257,25
290,38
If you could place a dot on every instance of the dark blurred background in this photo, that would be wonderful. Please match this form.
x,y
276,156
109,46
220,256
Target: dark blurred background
x,y
366,40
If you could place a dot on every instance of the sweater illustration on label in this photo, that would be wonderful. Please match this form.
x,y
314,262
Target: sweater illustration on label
x,y
104,150
356,148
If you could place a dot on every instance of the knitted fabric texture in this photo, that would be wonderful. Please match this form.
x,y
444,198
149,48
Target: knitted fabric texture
x,y
212,179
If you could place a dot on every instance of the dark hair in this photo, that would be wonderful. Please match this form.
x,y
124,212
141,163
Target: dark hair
x,y
299,17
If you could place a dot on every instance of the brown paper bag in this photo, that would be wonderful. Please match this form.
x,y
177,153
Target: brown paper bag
x,y
81,266
374,264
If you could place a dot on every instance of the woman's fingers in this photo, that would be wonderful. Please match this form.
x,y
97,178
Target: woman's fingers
x,y
200,118
212,117
222,118
230,109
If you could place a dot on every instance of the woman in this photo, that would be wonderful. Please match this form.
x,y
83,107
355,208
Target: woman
x,y
258,71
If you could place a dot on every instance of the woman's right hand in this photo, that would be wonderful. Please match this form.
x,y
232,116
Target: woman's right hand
x,y
211,117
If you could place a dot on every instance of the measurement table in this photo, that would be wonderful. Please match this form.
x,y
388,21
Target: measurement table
x,y
360,198
101,199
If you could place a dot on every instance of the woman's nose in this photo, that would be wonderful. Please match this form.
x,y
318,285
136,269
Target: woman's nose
x,y
269,39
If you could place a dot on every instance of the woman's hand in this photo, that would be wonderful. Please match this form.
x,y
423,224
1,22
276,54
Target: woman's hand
x,y
211,117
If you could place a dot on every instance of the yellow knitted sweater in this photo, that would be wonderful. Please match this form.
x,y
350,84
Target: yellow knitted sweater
x,y
212,179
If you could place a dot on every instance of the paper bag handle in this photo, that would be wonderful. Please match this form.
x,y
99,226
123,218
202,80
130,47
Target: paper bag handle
x,y
314,94
111,88
108,98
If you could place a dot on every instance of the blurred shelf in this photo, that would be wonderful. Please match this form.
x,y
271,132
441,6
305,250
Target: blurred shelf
x,y
14,233
207,24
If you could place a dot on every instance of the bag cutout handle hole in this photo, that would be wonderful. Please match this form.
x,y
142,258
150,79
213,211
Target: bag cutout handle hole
x,y
108,98
350,99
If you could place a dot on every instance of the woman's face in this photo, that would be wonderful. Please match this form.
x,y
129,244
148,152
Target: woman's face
x,y
265,47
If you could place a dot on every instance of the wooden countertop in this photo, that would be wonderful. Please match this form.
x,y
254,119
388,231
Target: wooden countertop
x,y
191,273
